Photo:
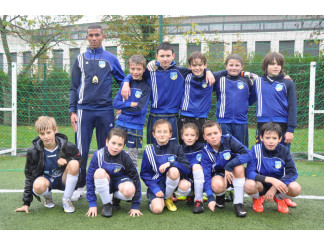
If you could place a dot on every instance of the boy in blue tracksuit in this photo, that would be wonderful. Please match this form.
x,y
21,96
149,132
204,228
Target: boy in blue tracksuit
x,y
164,169
167,83
276,98
222,160
133,110
112,171
91,96
271,173
233,100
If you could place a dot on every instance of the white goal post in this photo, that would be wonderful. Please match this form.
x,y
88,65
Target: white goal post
x,y
13,110
312,113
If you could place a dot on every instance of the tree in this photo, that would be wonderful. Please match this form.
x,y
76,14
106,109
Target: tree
x,y
41,33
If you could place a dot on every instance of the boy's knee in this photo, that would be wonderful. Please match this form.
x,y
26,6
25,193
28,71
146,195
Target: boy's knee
x,y
173,173
239,171
294,189
100,174
73,167
40,185
250,186
218,185
128,189
184,185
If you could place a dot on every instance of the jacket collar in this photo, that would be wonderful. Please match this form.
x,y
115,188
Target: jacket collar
x,y
60,139
161,68
96,50
233,77
270,152
272,79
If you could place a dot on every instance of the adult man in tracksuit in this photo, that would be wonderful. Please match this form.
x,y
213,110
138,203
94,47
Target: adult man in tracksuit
x,y
91,96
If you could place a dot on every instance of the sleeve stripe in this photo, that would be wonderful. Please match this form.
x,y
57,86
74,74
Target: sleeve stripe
x,y
149,151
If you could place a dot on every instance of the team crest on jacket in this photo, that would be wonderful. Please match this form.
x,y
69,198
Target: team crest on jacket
x,y
117,169
240,85
279,87
138,94
277,164
171,159
198,157
173,75
227,156
204,85
102,64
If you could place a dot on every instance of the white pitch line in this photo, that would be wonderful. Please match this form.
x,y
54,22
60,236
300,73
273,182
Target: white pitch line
x,y
144,193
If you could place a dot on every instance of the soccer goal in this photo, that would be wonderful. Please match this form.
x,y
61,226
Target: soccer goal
x,y
312,113
13,110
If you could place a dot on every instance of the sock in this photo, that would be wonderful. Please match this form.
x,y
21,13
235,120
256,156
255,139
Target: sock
x,y
220,194
238,184
44,194
133,153
71,181
184,193
119,195
281,196
198,177
255,195
102,186
171,185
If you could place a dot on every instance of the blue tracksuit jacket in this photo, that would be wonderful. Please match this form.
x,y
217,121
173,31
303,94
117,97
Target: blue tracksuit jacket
x,y
154,156
233,95
277,164
197,97
133,117
115,166
276,100
193,153
231,153
167,88
83,93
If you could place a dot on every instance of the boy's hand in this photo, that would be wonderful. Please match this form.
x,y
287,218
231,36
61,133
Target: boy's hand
x,y
163,167
270,194
210,79
151,66
92,212
134,212
279,185
133,104
159,194
211,206
126,91
287,77
74,119
229,176
62,161
23,209
251,76
289,137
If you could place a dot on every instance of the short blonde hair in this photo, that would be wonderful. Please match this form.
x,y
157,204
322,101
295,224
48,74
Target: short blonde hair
x,y
44,123
160,122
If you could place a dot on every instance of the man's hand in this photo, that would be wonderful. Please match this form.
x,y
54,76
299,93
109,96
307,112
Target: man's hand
x,y
126,91
74,119
289,137
23,209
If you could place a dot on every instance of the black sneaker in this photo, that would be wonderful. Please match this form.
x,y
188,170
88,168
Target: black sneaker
x,y
107,210
190,201
220,201
198,207
240,210
116,204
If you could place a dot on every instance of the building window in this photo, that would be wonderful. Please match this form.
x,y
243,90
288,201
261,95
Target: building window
x,y
262,48
58,58
176,51
311,47
216,27
112,49
287,48
216,51
250,26
232,27
73,54
26,58
192,47
14,57
272,26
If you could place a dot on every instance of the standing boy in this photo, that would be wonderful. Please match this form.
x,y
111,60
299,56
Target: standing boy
x,y
271,173
91,96
164,169
133,110
222,160
52,163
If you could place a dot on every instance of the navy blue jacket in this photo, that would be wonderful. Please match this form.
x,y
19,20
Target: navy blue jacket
x,y
154,156
277,164
115,166
276,100
133,117
193,152
233,95
230,154
83,93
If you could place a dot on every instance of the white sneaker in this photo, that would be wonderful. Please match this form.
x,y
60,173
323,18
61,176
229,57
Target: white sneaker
x,y
67,206
49,201
77,194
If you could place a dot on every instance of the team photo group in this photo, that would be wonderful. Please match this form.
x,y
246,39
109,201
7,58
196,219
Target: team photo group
x,y
187,157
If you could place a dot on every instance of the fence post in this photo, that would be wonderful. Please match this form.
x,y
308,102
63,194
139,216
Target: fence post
x,y
14,110
160,28
311,109
44,91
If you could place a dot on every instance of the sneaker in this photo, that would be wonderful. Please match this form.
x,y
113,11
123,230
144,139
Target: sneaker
x,y
198,207
174,198
240,210
107,210
170,205
181,198
77,194
67,206
257,204
290,203
49,201
220,201
190,201
116,204
282,206
205,198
